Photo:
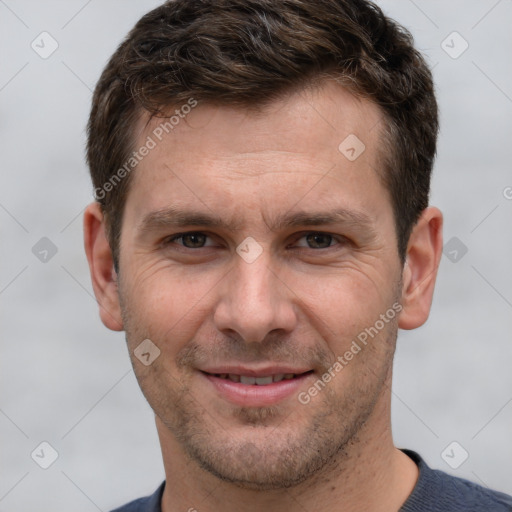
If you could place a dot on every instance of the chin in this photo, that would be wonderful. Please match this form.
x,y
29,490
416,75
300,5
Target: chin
x,y
264,475
266,458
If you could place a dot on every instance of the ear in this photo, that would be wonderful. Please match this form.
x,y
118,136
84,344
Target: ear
x,y
424,252
101,267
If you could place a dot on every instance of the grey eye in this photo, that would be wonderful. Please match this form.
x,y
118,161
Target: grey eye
x,y
319,240
192,240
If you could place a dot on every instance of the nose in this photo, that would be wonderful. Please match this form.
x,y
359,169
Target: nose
x,y
254,301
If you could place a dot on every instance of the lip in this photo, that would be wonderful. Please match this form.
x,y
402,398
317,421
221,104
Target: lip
x,y
253,395
253,371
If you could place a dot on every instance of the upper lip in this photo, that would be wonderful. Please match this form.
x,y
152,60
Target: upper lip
x,y
254,372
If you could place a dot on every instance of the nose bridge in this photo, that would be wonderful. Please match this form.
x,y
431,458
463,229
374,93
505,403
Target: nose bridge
x,y
254,284
254,301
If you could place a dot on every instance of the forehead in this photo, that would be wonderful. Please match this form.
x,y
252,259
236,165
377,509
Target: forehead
x,y
324,112
221,150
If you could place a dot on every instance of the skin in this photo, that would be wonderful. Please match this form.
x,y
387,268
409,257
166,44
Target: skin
x,y
301,302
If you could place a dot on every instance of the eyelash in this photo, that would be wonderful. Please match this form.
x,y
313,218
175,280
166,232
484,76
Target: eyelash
x,y
341,240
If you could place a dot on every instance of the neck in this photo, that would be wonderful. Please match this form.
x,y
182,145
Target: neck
x,y
370,475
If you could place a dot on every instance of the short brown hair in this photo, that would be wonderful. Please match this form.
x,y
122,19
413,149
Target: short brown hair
x,y
246,53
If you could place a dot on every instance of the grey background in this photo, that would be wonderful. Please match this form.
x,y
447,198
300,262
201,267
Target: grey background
x,y
67,380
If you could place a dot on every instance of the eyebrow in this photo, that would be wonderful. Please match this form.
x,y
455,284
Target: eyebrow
x,y
338,216
174,217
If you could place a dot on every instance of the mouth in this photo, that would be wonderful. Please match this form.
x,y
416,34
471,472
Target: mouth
x,y
263,380
248,388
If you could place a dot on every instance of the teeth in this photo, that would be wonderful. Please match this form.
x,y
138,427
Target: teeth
x,y
258,381
262,381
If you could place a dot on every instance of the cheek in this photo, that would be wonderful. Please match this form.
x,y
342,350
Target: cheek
x,y
345,306
168,303
345,295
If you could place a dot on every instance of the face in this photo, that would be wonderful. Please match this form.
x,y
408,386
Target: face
x,y
253,255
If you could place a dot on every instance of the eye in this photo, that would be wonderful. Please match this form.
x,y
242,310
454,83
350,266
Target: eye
x,y
193,240
318,240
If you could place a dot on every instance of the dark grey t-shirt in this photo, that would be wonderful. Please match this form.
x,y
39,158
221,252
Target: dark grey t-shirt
x,y
435,491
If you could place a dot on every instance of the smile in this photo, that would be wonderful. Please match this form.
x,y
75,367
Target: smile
x,y
257,390
258,381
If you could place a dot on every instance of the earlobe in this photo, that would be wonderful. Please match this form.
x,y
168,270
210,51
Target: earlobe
x,y
101,267
420,270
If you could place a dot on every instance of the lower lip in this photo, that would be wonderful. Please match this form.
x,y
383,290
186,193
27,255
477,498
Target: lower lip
x,y
249,395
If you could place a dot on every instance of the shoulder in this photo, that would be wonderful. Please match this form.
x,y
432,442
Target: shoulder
x,y
437,491
147,504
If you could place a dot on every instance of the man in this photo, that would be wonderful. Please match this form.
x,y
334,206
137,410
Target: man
x,y
261,230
